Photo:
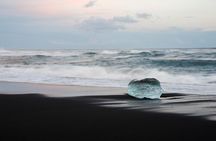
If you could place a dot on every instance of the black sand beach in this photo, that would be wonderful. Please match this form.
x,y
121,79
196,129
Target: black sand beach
x,y
37,117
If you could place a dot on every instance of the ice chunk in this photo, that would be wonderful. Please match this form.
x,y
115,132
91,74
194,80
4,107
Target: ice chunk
x,y
145,88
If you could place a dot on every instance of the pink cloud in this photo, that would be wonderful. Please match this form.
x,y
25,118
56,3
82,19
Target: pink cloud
x,y
51,7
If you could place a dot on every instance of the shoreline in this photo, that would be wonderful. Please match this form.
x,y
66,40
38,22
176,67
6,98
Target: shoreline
x,y
55,84
177,103
100,113
57,90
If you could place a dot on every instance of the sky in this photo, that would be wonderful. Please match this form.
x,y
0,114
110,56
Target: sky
x,y
99,24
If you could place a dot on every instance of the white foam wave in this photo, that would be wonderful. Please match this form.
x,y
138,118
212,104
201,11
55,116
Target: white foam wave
x,y
109,52
138,51
100,76
50,73
4,52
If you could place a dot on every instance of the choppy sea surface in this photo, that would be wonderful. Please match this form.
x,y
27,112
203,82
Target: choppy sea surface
x,y
179,70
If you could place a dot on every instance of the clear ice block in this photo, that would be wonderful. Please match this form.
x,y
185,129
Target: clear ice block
x,y
149,88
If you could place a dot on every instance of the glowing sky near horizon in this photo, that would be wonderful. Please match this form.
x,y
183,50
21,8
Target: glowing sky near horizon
x,y
109,15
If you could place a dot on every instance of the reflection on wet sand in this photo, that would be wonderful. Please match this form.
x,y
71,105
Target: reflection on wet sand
x,y
190,105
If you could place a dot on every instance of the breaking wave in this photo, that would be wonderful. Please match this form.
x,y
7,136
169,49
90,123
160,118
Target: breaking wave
x,y
179,70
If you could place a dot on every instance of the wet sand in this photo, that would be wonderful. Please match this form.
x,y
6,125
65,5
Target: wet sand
x,y
106,117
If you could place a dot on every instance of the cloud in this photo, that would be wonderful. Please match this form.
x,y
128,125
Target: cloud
x,y
124,19
98,25
143,15
90,4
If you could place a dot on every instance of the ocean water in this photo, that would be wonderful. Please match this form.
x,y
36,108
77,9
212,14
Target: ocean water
x,y
179,70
